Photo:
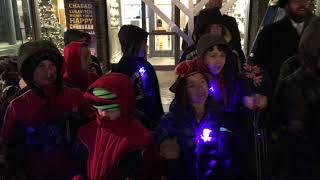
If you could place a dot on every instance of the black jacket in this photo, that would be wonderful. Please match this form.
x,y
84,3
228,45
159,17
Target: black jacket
x,y
296,112
276,43
146,86
232,25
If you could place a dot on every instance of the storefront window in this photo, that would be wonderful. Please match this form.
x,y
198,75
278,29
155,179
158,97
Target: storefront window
x,y
15,26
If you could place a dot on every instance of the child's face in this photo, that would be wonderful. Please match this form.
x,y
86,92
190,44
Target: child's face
x,y
215,60
45,73
110,115
197,89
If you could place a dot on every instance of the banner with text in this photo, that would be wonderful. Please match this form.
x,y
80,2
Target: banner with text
x,y
80,15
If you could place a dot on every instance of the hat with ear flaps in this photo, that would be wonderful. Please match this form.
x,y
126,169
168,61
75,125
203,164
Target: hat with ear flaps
x,y
32,53
188,68
209,17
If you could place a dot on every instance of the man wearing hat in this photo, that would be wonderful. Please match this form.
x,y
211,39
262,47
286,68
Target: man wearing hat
x,y
230,23
213,22
279,41
37,128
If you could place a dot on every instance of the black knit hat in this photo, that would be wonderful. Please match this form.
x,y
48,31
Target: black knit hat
x,y
208,17
32,53
131,37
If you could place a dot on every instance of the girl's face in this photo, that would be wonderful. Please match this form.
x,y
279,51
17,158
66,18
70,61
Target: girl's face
x,y
197,89
215,60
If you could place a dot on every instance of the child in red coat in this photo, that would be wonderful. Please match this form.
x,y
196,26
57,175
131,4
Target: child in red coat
x,y
115,131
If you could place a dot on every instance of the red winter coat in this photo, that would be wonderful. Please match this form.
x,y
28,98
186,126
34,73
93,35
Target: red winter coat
x,y
73,73
30,111
108,140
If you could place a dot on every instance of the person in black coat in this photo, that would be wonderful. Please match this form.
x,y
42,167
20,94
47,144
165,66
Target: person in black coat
x,y
296,112
230,23
133,63
279,41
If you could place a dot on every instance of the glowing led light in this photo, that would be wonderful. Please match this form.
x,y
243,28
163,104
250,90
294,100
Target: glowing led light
x,y
211,89
205,136
142,71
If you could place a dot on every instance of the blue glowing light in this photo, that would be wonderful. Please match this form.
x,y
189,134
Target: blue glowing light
x,y
205,136
212,88
142,70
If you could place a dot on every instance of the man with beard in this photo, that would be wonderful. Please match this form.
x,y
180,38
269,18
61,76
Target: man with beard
x,y
279,41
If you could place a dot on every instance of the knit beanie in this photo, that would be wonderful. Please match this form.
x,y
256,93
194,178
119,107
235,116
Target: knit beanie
x,y
208,17
207,41
32,53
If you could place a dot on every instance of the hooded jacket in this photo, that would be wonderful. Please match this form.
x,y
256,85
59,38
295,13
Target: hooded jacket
x,y
107,140
146,86
39,124
296,108
73,73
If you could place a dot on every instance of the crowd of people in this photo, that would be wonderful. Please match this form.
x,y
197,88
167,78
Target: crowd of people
x,y
63,119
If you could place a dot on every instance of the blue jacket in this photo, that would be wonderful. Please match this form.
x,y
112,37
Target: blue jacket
x,y
196,154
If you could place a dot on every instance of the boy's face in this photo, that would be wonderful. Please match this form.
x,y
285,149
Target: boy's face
x,y
215,60
114,115
45,73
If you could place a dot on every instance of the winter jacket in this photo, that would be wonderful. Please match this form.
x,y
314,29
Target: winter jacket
x,y
73,74
275,44
289,66
188,132
146,86
296,111
107,141
231,24
40,132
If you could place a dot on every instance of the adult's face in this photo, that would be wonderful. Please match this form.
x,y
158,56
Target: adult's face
x,y
212,4
298,9
45,73
215,29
